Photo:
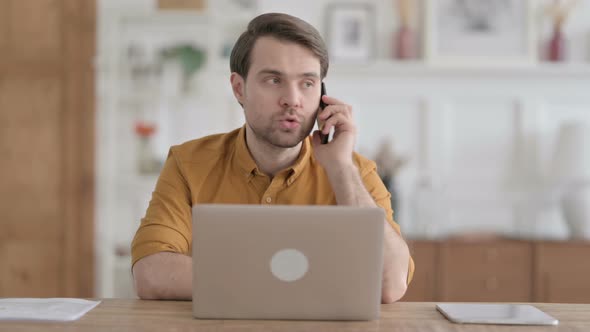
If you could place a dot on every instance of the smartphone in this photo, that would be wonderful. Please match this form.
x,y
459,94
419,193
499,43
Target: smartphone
x,y
324,138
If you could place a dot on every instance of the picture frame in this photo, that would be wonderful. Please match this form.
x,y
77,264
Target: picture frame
x,y
479,33
350,32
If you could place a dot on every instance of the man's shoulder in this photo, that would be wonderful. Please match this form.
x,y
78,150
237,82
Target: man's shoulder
x,y
364,164
205,148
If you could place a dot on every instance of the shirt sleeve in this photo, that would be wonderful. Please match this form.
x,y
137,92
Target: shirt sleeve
x,y
167,223
382,198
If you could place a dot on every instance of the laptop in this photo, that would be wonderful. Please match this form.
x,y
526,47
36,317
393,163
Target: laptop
x,y
287,262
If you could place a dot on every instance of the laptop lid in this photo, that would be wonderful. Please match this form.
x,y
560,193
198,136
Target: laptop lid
x,y
287,262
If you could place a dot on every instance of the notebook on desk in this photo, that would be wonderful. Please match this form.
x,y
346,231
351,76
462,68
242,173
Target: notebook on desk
x,y
287,262
495,313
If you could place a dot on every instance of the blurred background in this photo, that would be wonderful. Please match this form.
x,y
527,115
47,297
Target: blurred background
x,y
476,112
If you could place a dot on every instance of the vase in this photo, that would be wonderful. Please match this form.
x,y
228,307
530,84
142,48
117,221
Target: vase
x,y
576,210
404,43
557,45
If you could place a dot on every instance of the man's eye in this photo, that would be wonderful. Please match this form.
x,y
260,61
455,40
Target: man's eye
x,y
308,84
274,80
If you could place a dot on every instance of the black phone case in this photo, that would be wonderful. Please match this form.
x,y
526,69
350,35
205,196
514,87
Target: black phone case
x,y
324,138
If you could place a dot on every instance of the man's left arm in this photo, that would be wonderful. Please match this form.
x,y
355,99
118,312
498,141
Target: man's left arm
x,y
348,186
350,190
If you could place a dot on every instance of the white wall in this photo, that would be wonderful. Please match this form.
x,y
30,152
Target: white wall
x,y
479,141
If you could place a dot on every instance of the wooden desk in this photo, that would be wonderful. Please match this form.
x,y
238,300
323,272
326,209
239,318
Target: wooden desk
x,y
136,315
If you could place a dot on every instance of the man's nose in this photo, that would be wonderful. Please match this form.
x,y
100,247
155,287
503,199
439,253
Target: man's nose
x,y
291,96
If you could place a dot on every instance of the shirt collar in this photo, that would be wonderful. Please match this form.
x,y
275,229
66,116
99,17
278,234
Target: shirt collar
x,y
246,163
302,161
242,154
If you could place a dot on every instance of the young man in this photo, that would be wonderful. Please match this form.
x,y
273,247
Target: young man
x,y
277,68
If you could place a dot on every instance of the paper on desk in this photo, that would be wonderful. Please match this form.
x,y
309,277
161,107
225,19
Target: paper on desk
x,y
55,309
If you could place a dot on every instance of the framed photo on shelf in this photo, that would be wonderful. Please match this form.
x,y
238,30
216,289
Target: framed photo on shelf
x,y
196,5
350,32
479,33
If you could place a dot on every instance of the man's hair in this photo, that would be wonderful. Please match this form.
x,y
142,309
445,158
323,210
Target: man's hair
x,y
284,28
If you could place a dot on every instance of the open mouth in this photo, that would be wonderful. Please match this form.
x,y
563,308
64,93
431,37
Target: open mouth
x,y
289,123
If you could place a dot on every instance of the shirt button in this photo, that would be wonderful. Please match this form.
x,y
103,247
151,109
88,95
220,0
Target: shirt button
x,y
268,199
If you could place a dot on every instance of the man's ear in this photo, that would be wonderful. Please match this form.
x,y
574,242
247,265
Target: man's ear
x,y
238,85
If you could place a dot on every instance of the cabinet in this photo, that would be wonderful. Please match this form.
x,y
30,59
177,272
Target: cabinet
x,y
500,271
423,285
497,271
562,272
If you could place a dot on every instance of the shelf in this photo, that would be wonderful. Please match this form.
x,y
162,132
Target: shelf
x,y
418,69
390,68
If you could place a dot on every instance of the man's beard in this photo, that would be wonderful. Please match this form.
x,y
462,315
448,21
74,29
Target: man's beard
x,y
283,138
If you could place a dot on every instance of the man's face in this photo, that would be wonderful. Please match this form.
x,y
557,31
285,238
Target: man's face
x,y
281,93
